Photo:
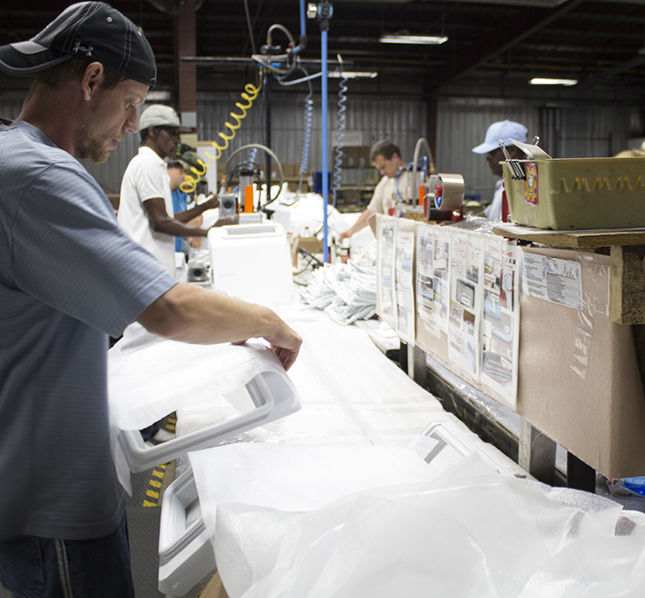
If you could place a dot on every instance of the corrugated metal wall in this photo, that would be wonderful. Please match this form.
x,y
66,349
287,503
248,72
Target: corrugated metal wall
x,y
461,125
10,106
565,131
365,120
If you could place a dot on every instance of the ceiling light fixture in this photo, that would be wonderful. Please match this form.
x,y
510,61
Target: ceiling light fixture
x,y
350,75
158,95
549,81
413,39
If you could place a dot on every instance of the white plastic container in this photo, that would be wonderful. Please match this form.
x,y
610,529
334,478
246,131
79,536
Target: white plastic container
x,y
273,396
251,262
185,552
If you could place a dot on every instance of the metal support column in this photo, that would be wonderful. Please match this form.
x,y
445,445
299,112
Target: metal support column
x,y
580,475
186,73
417,367
537,453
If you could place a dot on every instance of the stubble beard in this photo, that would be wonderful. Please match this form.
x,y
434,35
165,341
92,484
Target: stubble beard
x,y
88,148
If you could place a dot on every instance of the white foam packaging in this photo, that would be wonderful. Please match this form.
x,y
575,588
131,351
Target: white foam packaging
x,y
185,551
467,532
150,377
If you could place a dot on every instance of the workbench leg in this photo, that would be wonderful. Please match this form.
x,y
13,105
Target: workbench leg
x,y
403,356
537,453
417,367
580,475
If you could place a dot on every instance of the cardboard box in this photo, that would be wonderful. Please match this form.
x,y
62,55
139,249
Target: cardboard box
x,y
350,196
354,156
580,376
291,171
310,244
115,200
601,418
275,175
345,160
293,186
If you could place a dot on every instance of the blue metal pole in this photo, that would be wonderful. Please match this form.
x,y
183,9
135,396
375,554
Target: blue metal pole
x,y
325,178
303,30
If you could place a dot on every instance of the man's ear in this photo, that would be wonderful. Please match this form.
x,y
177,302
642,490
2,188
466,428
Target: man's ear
x,y
91,80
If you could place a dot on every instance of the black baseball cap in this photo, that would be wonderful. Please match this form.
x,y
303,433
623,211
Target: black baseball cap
x,y
91,30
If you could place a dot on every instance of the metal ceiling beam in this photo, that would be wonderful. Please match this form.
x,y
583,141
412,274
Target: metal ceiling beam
x,y
502,39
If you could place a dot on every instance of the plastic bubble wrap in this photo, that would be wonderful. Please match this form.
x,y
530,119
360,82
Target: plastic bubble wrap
x,y
465,533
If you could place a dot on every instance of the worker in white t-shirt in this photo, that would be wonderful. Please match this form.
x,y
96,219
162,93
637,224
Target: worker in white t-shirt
x,y
506,131
386,157
145,207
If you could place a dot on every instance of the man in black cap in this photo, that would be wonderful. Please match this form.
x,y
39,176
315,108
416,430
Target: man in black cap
x,y
69,277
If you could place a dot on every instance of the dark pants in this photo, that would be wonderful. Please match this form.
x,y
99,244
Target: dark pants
x,y
32,567
150,431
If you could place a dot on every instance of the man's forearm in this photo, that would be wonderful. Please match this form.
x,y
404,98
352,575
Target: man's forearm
x,y
189,215
171,226
194,315
359,225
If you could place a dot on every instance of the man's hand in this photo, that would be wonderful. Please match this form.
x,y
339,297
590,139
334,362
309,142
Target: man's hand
x,y
285,343
226,221
194,315
344,235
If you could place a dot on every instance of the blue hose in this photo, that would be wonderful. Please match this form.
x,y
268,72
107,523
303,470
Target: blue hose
x,y
338,163
306,141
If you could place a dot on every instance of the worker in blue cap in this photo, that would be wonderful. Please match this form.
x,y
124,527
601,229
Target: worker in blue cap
x,y
507,132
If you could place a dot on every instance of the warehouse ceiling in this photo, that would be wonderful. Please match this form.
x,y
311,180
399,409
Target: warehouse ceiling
x,y
493,47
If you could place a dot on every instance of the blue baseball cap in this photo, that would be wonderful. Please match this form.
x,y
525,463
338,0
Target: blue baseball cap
x,y
506,130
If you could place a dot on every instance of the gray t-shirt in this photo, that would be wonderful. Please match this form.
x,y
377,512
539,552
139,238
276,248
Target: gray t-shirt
x,y
69,277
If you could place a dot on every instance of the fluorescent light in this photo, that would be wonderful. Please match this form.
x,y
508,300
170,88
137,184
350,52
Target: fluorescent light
x,y
413,39
350,74
549,81
157,95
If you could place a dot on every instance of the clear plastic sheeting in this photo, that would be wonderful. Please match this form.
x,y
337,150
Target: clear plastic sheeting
x,y
467,533
594,301
347,292
476,223
350,393
492,409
